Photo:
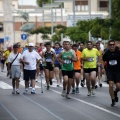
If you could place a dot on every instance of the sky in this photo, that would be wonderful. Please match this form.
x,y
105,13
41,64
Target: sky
x,y
27,2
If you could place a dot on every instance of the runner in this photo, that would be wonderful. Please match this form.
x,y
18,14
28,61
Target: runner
x,y
6,54
77,69
99,68
14,65
112,57
66,57
82,47
29,58
48,60
57,65
2,60
89,56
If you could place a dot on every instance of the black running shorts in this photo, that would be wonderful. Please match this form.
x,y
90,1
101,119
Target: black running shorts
x,y
113,76
29,75
89,70
70,74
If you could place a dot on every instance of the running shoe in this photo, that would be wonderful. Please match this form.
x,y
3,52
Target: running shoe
x,y
116,97
58,86
48,87
93,91
73,91
25,91
13,92
96,86
17,91
33,91
77,89
51,82
100,84
82,83
36,80
68,96
113,103
89,93
63,93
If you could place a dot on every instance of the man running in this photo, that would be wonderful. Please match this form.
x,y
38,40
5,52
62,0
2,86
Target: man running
x,y
112,57
48,60
82,47
99,68
89,56
66,57
14,60
57,65
77,69
29,58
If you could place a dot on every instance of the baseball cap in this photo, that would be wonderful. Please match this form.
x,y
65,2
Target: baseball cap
x,y
31,44
99,39
15,46
66,40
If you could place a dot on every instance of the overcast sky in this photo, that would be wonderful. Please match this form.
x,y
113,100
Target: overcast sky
x,y
27,2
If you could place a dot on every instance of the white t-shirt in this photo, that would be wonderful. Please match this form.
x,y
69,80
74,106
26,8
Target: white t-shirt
x,y
12,57
102,46
30,57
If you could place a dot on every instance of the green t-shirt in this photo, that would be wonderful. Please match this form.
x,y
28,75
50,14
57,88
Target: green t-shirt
x,y
68,64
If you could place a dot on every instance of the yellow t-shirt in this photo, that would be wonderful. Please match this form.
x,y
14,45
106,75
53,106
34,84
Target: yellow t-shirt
x,y
91,63
6,54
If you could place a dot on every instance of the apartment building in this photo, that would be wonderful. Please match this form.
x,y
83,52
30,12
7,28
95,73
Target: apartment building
x,y
98,8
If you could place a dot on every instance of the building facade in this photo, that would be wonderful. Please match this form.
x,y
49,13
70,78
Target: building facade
x,y
98,7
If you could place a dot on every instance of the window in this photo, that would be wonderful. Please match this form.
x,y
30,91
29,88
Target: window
x,y
103,5
81,5
1,27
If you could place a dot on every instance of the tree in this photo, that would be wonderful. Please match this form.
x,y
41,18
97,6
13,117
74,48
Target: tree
x,y
41,2
115,29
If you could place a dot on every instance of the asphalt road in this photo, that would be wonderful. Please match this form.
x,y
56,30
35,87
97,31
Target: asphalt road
x,y
50,105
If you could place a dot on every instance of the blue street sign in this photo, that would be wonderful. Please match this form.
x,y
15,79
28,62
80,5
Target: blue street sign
x,y
23,36
1,40
7,38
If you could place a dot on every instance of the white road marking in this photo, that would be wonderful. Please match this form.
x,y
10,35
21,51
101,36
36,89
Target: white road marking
x,y
4,85
8,111
44,108
23,84
90,104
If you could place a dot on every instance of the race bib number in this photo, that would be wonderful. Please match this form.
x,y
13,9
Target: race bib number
x,y
91,59
48,60
67,61
113,62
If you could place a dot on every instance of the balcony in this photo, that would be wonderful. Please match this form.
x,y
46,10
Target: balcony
x,y
103,9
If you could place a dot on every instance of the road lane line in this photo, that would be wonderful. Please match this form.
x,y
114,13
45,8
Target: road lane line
x,y
90,104
8,111
44,108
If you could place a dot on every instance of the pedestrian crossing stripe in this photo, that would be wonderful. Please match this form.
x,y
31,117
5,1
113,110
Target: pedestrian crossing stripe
x,y
4,85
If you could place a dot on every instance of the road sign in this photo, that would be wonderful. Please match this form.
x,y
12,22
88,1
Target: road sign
x,y
1,40
24,36
70,18
7,38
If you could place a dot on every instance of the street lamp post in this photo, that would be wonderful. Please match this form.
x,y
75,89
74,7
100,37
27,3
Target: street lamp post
x,y
62,1
51,6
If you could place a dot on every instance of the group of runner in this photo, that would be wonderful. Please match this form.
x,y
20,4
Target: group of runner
x,y
74,63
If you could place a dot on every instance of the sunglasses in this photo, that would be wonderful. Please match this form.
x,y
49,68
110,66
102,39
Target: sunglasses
x,y
111,44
